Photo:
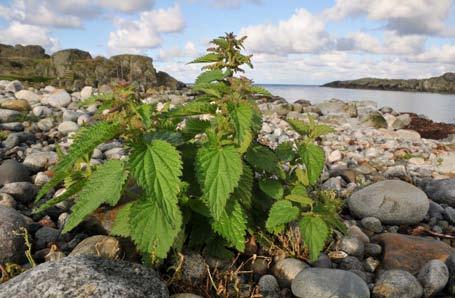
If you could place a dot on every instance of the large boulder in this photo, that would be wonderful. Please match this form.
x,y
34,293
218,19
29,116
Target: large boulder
x,y
86,276
391,201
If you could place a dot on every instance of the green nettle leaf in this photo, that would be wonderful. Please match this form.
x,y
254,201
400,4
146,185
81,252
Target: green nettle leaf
x,y
259,90
219,170
210,57
285,151
172,137
85,142
242,192
150,229
302,200
193,108
121,226
300,126
195,126
320,130
157,167
314,232
281,213
145,111
232,225
209,76
272,188
262,158
103,186
241,117
313,157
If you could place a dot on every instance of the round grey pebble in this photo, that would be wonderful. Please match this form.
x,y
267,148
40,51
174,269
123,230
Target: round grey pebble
x,y
397,284
433,277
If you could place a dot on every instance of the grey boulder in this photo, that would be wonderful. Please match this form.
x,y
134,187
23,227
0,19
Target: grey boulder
x,y
397,284
86,276
393,202
328,283
11,243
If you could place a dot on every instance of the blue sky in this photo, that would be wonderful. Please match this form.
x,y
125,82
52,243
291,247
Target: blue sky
x,y
293,41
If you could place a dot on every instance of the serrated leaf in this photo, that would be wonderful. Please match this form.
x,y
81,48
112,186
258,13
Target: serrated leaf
x,y
314,232
172,137
195,126
210,57
262,158
209,76
300,126
121,225
304,201
84,143
157,167
241,115
272,188
232,225
285,151
243,191
255,89
320,130
103,186
219,170
193,108
281,213
150,229
314,159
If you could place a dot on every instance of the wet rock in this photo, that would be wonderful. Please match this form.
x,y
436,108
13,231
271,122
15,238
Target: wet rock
x,y
410,253
23,192
11,243
268,287
433,277
12,171
86,276
441,191
397,284
391,201
40,160
327,283
286,270
99,245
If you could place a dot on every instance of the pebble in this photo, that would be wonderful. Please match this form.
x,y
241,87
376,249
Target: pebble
x,y
352,246
67,127
328,283
23,192
286,270
99,245
58,98
9,116
268,286
40,160
13,171
433,277
11,243
397,284
441,191
372,223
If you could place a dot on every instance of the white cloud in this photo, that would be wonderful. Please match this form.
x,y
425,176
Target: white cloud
x,y
146,32
127,5
441,54
301,33
17,33
426,17
233,3
188,51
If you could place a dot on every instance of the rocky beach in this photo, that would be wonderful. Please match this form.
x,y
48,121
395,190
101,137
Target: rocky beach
x,y
396,180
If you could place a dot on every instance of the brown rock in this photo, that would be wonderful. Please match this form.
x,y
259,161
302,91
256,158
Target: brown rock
x,y
410,253
20,105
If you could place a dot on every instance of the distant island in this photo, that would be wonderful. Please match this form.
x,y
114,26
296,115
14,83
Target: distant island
x,y
441,84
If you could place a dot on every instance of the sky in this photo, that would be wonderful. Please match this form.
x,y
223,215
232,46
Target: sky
x,y
292,41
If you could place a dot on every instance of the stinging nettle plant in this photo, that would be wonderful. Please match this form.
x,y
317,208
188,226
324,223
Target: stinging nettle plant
x,y
195,174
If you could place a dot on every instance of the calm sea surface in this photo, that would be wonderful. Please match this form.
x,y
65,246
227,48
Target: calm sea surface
x,y
438,107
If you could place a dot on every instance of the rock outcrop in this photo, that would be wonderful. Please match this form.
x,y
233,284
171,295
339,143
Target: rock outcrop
x,y
441,84
73,69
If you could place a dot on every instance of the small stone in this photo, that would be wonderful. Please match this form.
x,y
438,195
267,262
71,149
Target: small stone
x,y
397,284
371,264
14,86
86,92
28,95
12,126
40,160
99,245
67,127
373,249
45,124
351,263
41,178
260,266
194,267
7,200
9,116
46,236
335,156
372,223
333,183
41,111
433,277
449,214
323,262
356,232
286,270
441,191
19,105
328,283
58,98
23,192
12,171
352,246
268,287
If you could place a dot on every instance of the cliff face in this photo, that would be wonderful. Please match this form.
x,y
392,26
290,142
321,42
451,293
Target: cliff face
x,y
441,84
72,69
